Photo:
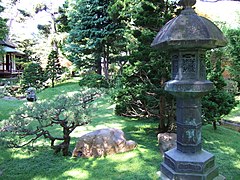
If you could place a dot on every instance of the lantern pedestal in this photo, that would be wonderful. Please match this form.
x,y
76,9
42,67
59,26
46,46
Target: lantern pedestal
x,y
197,166
186,38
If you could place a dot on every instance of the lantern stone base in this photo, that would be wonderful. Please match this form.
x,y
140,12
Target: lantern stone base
x,y
186,166
163,177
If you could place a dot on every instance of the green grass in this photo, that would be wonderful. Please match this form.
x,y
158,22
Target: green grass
x,y
7,106
224,144
235,113
141,163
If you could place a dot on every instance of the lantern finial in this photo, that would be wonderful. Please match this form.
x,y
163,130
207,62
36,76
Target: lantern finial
x,y
187,3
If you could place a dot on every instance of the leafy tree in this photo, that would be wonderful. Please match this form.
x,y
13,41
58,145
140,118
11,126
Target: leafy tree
x,y
33,76
91,35
14,14
27,46
147,70
234,49
33,120
218,102
53,68
50,38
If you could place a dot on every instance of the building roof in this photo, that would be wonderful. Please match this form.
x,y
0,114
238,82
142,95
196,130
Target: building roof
x,y
12,50
7,43
9,47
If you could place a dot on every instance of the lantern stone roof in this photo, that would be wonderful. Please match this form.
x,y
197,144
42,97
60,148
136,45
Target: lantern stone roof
x,y
188,30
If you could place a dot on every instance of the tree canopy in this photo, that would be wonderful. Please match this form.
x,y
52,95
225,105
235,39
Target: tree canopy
x,y
3,25
92,33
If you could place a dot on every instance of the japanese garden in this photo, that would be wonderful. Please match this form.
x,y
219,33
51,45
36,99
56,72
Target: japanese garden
x,y
120,89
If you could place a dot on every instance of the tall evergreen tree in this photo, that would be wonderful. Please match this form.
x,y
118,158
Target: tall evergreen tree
x,y
53,68
91,35
144,76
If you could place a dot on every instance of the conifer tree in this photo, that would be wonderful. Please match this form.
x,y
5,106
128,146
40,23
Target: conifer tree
x,y
142,93
91,35
218,102
53,68
3,29
33,76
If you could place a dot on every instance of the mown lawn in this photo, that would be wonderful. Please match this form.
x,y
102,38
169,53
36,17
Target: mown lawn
x,y
141,163
7,106
235,113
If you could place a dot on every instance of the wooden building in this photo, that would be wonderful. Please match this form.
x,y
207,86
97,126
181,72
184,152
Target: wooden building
x,y
8,59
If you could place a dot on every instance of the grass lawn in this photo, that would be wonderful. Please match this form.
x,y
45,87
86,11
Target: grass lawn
x,y
141,163
235,113
6,106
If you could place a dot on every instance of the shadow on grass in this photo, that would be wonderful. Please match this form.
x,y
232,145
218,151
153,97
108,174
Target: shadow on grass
x,y
141,163
225,148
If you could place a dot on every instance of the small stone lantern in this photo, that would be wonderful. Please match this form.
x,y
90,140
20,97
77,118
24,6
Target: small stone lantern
x,y
186,38
31,94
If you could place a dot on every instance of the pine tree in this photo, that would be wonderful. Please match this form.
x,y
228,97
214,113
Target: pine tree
x,y
91,35
53,69
33,76
142,93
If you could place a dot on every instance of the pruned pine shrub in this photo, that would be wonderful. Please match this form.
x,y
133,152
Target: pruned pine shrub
x,y
41,118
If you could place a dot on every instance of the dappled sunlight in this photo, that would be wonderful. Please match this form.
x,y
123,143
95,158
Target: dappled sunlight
x,y
228,150
21,155
40,178
76,173
141,163
122,157
112,107
236,118
72,93
121,167
225,148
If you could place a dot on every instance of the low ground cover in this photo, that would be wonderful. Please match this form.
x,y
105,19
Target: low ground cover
x,y
141,163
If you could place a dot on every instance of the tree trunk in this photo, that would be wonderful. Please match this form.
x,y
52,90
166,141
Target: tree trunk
x,y
162,126
66,141
52,82
106,62
215,125
65,145
98,65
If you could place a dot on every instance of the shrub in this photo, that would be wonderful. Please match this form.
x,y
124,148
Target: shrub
x,y
33,120
93,80
33,76
219,101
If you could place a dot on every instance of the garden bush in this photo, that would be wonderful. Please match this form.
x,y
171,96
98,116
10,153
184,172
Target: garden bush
x,y
93,80
32,121
33,76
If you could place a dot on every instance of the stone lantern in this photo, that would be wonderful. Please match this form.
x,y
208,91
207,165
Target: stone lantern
x,y
186,38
